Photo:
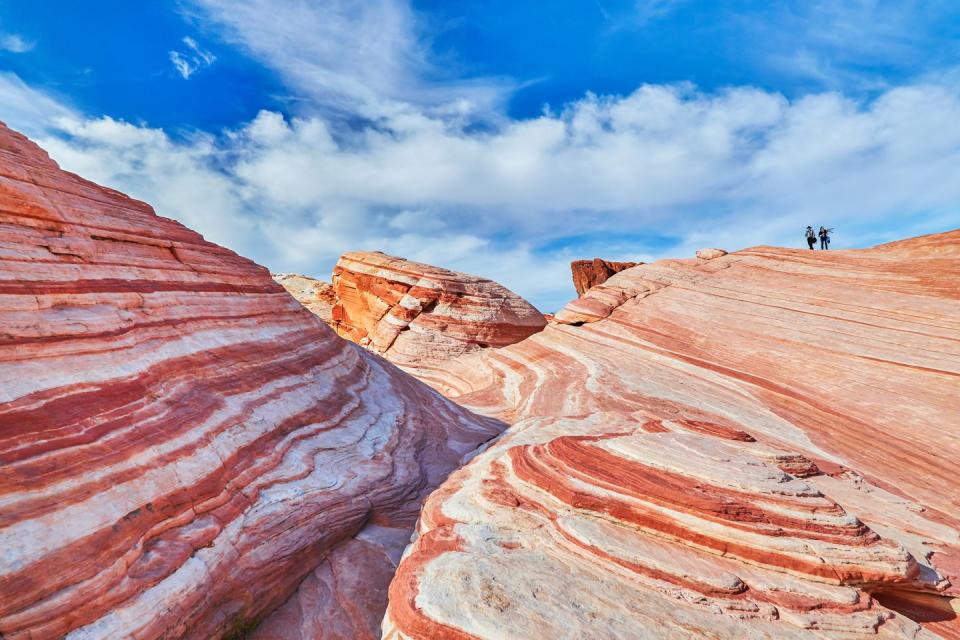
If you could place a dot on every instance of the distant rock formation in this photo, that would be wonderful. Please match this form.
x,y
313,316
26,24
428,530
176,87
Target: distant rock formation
x,y
590,273
416,313
710,254
316,295
181,443
751,448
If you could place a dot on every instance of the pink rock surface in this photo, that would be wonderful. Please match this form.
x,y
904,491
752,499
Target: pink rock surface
x,y
589,273
181,443
762,445
315,295
411,312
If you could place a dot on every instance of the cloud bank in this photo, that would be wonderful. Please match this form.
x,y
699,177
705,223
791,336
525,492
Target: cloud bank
x,y
670,163
386,155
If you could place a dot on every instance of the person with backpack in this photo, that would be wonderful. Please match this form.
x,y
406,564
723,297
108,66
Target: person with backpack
x,y
825,237
811,237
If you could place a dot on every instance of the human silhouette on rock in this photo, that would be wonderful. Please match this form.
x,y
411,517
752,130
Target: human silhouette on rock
x,y
811,237
824,238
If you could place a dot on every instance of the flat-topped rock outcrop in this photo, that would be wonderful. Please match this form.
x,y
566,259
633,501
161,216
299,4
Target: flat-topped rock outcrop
x,y
411,312
181,443
590,273
757,445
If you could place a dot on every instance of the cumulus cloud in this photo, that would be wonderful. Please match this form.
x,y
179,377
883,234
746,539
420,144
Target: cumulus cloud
x,y
192,59
658,172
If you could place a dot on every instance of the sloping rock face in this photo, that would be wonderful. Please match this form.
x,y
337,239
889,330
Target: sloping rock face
x,y
181,443
759,445
411,312
589,273
316,295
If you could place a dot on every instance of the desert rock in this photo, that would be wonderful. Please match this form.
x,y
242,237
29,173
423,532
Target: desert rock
x,y
589,273
759,447
181,443
316,295
412,312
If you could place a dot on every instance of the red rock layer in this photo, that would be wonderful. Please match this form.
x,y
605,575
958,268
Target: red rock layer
x,y
411,312
589,273
180,441
755,445
315,295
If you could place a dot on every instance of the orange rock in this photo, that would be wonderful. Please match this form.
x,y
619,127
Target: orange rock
x,y
746,448
411,312
589,273
181,443
316,295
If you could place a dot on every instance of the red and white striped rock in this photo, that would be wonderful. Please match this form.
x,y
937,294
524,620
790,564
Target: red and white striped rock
x,y
762,445
316,295
411,312
181,443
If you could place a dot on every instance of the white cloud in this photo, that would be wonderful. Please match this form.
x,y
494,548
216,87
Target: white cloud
x,y
366,57
659,172
192,60
730,169
15,43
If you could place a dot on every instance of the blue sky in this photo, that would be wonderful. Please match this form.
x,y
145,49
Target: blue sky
x,y
501,138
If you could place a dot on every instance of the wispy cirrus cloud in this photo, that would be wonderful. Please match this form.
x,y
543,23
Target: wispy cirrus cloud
x,y
192,59
15,43
361,57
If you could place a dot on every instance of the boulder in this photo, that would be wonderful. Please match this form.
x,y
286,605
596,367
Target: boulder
x,y
589,273
415,313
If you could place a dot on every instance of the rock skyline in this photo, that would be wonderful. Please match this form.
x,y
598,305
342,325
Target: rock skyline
x,y
755,444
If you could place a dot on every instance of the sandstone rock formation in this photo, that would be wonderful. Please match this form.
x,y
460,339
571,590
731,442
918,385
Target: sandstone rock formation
x,y
181,443
710,254
412,312
762,445
589,273
316,295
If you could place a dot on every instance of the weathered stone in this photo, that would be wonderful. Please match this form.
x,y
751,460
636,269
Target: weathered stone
x,y
749,448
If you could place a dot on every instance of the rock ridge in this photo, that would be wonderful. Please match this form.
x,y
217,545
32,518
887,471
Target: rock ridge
x,y
751,452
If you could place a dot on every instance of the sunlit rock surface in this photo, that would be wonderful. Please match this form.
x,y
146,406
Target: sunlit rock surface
x,y
316,295
181,443
412,312
589,273
760,445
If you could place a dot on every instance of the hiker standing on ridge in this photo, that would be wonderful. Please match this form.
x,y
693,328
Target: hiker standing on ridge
x,y
824,237
811,237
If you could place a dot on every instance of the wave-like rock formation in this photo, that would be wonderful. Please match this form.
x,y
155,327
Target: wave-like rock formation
x,y
181,443
411,312
755,445
590,273
316,295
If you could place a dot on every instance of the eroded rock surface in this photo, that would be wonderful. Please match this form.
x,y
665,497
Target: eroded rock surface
x,y
589,273
762,445
412,312
316,295
181,443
